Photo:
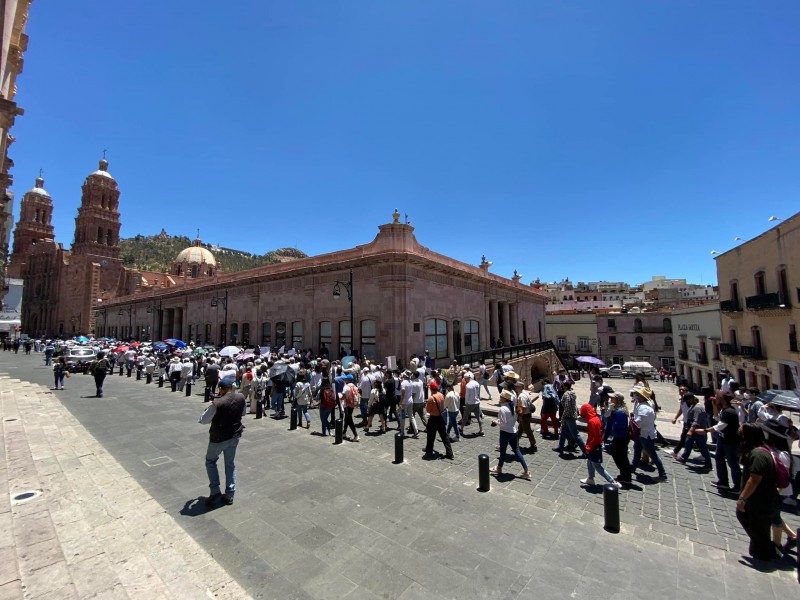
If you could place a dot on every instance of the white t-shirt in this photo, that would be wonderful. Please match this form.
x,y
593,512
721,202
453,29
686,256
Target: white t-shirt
x,y
406,391
472,392
416,391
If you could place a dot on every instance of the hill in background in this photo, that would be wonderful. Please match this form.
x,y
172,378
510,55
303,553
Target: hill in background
x,y
156,253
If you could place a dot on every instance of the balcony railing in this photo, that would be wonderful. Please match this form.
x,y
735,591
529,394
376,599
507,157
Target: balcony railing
x,y
751,352
683,354
729,305
728,349
701,359
765,301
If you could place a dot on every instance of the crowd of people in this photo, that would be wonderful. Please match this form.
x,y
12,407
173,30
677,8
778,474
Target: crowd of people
x,y
753,440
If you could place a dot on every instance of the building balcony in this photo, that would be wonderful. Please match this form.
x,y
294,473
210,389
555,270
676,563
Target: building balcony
x,y
683,355
765,301
729,306
701,359
728,349
752,352
669,348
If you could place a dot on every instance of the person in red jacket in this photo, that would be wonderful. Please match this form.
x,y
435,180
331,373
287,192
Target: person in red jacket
x,y
594,447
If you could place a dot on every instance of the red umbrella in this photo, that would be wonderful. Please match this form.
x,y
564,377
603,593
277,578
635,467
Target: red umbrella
x,y
120,349
135,345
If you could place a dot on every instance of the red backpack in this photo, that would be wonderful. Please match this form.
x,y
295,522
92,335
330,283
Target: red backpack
x,y
783,478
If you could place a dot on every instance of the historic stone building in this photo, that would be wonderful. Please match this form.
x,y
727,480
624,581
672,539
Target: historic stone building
x,y
13,43
405,299
759,285
637,336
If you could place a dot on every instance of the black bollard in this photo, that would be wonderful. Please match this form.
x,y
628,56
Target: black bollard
x,y
797,550
611,508
484,482
160,381
207,394
259,409
149,378
398,447
339,428
292,419
188,388
129,372
138,375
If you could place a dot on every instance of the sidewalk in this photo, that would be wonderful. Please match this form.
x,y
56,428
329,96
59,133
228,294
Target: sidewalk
x,y
89,529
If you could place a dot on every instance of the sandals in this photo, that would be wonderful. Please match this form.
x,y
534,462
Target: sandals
x,y
525,475
495,470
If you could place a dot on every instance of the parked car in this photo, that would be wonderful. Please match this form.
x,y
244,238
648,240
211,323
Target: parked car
x,y
613,371
78,358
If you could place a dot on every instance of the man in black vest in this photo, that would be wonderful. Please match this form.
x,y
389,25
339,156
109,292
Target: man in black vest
x,y
212,378
225,415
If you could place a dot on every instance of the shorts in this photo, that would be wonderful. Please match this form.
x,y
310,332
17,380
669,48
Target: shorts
x,y
472,409
376,409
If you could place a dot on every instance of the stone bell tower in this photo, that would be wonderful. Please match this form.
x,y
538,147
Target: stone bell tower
x,y
97,224
34,225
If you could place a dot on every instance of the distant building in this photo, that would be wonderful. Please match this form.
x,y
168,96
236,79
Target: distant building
x,y
637,336
697,353
573,335
759,284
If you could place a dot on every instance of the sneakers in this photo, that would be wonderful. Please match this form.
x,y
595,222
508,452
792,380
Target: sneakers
x,y
227,500
587,481
616,484
680,460
210,500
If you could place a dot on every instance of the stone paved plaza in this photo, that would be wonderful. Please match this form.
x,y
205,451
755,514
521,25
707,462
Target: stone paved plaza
x,y
122,481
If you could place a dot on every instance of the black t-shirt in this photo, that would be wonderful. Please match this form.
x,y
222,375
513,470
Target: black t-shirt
x,y
729,416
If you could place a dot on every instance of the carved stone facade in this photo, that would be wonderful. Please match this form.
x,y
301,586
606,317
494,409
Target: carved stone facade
x,y
13,19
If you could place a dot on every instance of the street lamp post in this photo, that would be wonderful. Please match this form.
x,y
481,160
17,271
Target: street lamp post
x,y
348,286
215,302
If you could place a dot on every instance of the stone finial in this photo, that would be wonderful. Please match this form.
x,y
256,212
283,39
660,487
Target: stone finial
x,y
484,263
516,277
395,216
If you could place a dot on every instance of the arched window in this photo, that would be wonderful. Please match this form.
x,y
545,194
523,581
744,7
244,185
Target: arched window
x,y
760,283
637,325
195,271
109,238
297,335
667,342
436,337
639,341
245,334
234,333
667,325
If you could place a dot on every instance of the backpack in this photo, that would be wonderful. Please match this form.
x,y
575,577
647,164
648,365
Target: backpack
x,y
783,477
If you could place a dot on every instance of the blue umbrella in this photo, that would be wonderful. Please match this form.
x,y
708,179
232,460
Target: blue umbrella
x,y
82,339
160,346
176,343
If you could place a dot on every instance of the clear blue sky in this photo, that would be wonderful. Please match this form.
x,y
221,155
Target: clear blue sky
x,y
582,139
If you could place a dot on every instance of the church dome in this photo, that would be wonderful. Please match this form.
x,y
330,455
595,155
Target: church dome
x,y
39,188
196,255
102,171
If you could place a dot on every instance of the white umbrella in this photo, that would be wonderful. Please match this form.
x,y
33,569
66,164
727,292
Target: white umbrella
x,y
230,351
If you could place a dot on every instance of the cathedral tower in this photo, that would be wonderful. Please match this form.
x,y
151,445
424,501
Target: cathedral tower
x,y
97,224
33,226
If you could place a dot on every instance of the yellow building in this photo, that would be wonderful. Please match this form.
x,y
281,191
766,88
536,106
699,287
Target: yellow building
x,y
759,288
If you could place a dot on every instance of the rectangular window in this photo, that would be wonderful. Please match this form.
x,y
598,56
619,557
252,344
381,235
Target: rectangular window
x,y
297,335
612,340
223,335
436,337
368,347
234,334
472,336
583,344
561,343
325,335
266,334
207,337
246,334
345,337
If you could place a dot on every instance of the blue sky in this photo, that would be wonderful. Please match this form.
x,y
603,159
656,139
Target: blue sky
x,y
581,139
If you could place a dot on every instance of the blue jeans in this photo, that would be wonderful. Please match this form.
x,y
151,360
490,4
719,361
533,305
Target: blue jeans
x,y
510,439
303,409
728,453
650,446
569,429
325,416
228,450
452,422
596,466
608,426
702,447
276,400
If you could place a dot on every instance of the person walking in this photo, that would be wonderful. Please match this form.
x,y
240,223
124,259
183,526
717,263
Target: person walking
x,y
59,371
619,430
225,416
549,409
302,398
99,370
594,447
698,424
525,410
407,405
507,421
453,405
351,398
569,417
682,413
727,454
472,404
327,403
418,396
645,419
376,406
435,407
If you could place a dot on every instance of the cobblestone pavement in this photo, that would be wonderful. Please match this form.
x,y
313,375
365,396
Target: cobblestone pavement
x,y
315,520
